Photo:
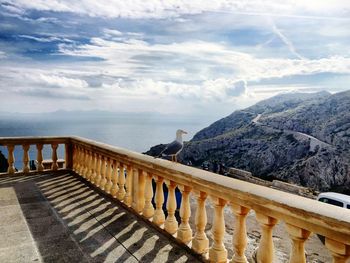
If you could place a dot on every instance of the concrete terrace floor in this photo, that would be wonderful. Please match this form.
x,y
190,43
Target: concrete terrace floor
x,y
57,217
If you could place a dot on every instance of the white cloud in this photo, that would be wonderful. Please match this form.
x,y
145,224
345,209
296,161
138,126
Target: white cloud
x,y
2,54
112,32
165,9
46,39
126,58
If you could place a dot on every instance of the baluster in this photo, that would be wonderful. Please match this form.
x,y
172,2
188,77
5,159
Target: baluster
x,y
140,201
115,188
121,182
54,165
171,224
103,173
78,154
200,241
83,167
98,170
265,252
25,158
148,210
109,183
89,166
128,186
39,157
87,163
184,232
94,168
75,157
298,236
82,161
159,216
68,155
340,252
218,252
240,233
11,159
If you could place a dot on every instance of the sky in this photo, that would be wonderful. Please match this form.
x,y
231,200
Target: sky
x,y
186,57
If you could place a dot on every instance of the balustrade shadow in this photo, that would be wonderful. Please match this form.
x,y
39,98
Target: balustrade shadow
x,y
70,221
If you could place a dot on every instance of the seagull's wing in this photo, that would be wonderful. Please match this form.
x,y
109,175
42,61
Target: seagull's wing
x,y
172,148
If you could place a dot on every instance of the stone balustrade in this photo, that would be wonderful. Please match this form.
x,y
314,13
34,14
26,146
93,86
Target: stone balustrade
x,y
24,143
128,177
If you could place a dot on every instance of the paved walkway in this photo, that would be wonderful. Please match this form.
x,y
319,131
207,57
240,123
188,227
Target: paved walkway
x,y
59,218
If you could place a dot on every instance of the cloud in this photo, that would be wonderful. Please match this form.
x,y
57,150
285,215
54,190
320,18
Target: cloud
x,y
52,94
166,9
168,54
43,83
47,39
141,59
112,32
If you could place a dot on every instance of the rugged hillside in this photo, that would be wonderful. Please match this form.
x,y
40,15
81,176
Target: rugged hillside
x,y
299,138
327,119
276,104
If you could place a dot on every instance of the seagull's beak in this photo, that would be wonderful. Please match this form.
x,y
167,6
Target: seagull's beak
x,y
184,132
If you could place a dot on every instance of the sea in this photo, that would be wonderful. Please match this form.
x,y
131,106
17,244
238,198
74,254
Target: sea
x,y
131,131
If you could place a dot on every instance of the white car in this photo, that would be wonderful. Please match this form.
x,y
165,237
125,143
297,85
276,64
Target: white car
x,y
336,199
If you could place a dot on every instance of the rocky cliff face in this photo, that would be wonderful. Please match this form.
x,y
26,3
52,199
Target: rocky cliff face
x,y
298,138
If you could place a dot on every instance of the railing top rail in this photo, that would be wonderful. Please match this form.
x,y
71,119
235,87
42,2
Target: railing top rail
x,y
303,212
33,140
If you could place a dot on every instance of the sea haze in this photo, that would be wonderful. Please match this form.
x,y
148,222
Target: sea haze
x,y
137,132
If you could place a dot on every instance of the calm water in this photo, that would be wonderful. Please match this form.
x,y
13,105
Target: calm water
x,y
134,133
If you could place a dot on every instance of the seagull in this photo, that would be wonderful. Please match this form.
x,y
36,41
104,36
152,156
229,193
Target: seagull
x,y
175,147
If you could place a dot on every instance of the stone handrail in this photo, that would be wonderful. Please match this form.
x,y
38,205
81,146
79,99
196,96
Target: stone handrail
x,y
128,176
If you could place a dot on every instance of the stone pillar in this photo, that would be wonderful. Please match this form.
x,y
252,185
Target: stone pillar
x,y
77,157
121,182
109,183
94,168
148,210
103,173
239,234
200,242
340,252
159,216
115,188
128,186
218,252
171,224
98,170
298,236
265,251
184,232
54,165
68,155
82,161
140,191
87,163
39,157
26,168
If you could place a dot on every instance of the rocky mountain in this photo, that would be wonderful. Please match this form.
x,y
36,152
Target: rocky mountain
x,y
301,138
